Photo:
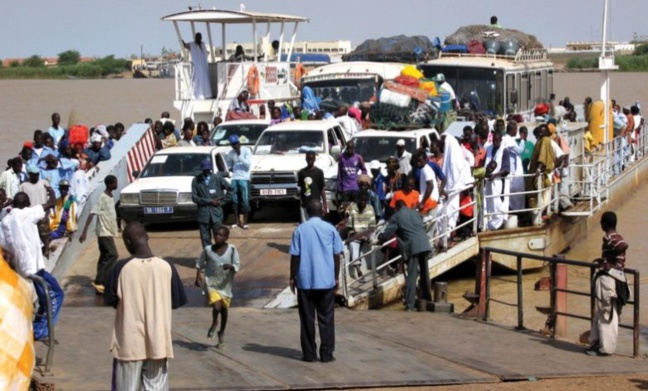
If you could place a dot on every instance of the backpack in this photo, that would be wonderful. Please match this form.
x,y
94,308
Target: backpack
x,y
623,294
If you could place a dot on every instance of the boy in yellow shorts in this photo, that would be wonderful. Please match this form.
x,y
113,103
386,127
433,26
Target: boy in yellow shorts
x,y
215,272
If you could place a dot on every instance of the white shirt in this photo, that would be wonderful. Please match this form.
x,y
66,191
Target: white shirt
x,y
20,236
427,174
80,188
404,162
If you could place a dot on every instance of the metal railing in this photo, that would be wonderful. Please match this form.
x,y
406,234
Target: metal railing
x,y
440,234
485,294
51,340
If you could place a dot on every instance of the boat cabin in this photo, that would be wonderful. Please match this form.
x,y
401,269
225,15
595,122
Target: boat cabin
x,y
262,72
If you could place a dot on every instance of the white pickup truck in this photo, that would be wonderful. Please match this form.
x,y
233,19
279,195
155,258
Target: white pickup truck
x,y
281,152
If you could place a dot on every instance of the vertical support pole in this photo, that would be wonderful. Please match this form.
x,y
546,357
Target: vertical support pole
x,y
592,293
211,43
374,276
254,40
520,298
552,297
561,300
223,43
292,41
281,43
481,285
635,321
488,279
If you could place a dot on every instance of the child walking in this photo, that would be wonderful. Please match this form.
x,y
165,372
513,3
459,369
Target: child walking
x,y
215,272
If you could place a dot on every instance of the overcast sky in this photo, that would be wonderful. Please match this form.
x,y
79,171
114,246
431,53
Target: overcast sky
x,y
120,27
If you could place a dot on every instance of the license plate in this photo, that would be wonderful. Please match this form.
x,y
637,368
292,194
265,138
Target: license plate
x,y
272,192
156,210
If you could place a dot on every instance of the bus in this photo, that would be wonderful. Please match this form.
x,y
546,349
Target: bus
x,y
354,81
497,85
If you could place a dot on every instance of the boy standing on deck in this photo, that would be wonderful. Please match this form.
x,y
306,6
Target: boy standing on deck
x,y
605,325
106,229
216,268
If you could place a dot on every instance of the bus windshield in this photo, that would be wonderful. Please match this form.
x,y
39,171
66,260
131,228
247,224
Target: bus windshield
x,y
477,89
350,90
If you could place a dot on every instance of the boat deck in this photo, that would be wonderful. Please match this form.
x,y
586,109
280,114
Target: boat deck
x,y
373,349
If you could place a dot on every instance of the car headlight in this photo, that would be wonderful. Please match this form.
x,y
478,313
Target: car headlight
x,y
129,198
184,198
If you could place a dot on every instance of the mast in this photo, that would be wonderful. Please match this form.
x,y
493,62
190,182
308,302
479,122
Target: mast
x,y
606,64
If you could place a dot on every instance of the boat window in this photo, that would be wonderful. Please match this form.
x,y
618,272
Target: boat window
x,y
290,142
174,165
380,148
248,133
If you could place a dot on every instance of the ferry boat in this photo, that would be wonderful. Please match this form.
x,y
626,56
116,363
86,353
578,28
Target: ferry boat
x,y
265,78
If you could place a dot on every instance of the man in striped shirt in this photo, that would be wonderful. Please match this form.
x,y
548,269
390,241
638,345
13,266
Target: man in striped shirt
x,y
605,325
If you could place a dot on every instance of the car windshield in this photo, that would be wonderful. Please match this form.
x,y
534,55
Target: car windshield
x,y
380,148
174,165
290,142
349,90
248,133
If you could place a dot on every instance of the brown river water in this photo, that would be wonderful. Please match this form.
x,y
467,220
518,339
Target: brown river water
x,y
26,105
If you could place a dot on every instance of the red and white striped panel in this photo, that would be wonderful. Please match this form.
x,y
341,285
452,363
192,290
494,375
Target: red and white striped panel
x,y
140,154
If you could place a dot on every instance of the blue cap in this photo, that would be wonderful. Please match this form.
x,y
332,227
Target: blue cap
x,y
32,169
206,165
233,139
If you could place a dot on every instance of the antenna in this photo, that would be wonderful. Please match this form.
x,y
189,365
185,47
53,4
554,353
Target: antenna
x,y
242,7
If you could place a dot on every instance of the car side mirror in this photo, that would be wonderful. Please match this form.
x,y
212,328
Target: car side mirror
x,y
135,174
336,150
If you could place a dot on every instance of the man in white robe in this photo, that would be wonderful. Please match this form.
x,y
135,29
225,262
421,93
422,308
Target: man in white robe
x,y
458,176
516,202
20,234
200,78
497,185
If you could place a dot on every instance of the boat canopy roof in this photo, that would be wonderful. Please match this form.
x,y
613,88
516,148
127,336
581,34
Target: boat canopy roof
x,y
231,17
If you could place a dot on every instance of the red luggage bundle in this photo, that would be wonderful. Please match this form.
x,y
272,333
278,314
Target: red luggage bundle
x,y
407,80
78,134
476,47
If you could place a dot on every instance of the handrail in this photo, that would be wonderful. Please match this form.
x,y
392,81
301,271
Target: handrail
x,y
50,320
485,295
429,221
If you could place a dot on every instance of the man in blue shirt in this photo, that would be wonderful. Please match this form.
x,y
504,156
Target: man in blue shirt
x,y
95,152
239,160
314,268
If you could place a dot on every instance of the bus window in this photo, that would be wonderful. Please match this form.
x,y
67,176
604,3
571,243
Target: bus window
x,y
510,86
537,88
524,92
550,75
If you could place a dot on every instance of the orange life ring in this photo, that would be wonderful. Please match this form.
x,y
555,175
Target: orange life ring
x,y
299,72
253,81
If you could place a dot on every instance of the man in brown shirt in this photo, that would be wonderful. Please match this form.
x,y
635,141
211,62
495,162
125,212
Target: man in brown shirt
x,y
143,289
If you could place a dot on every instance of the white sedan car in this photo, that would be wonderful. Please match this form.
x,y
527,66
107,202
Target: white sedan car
x,y
162,191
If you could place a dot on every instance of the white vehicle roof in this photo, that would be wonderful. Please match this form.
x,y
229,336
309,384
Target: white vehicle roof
x,y
185,150
246,122
355,69
303,125
393,134
232,17
487,62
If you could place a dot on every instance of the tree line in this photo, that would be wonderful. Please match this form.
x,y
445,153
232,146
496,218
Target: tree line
x,y
68,65
635,62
